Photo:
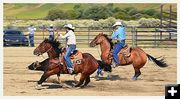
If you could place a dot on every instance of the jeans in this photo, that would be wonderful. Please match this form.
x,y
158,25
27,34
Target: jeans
x,y
70,49
51,37
31,39
117,48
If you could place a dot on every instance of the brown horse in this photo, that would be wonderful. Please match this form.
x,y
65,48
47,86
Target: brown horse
x,y
49,47
137,57
88,64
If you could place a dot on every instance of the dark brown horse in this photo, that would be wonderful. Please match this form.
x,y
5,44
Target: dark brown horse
x,y
137,57
88,66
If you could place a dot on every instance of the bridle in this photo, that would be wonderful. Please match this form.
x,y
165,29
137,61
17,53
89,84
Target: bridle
x,y
45,51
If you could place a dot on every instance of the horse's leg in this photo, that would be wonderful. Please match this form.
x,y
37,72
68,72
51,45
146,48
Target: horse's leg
x,y
75,77
58,76
86,81
99,72
43,78
81,81
139,60
137,73
109,75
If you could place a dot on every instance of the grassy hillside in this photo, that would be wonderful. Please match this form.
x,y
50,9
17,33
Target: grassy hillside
x,y
41,10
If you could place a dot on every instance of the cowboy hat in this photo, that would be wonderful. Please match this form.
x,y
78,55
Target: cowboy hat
x,y
117,24
69,26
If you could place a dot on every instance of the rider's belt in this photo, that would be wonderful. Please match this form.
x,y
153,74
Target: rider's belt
x,y
120,40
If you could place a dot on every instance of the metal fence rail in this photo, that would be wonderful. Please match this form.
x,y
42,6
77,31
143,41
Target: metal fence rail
x,y
136,36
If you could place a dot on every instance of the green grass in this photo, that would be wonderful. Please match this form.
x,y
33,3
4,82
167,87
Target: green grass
x,y
30,10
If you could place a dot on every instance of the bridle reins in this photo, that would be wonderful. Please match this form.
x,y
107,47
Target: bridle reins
x,y
45,51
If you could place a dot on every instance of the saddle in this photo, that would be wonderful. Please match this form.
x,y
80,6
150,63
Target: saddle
x,y
125,51
124,54
76,57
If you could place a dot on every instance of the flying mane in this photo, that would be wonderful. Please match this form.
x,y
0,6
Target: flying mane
x,y
55,44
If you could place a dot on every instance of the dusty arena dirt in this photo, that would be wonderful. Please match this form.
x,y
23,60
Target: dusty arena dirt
x,y
18,81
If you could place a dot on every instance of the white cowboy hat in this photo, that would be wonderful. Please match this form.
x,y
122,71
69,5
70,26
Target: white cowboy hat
x,y
69,26
117,24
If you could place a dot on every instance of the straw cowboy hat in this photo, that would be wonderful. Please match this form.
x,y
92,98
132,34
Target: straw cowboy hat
x,y
69,26
117,24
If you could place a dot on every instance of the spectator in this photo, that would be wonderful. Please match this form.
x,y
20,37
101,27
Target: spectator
x,y
51,30
31,30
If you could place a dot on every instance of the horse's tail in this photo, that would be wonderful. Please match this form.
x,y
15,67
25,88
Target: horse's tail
x,y
104,66
160,61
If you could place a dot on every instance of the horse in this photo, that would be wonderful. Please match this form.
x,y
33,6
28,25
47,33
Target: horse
x,y
88,66
52,48
137,57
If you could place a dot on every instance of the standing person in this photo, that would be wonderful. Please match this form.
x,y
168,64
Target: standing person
x,y
71,45
120,35
31,30
51,30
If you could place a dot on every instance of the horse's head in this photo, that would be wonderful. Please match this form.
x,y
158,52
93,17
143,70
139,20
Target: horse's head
x,y
97,40
43,47
35,66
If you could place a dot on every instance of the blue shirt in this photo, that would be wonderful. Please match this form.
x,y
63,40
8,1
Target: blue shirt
x,y
119,34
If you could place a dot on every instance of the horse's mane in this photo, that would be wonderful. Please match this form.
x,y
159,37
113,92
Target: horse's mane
x,y
55,44
110,40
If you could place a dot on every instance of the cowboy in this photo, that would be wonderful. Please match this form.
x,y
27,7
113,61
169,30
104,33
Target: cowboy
x,y
71,45
31,30
51,30
120,35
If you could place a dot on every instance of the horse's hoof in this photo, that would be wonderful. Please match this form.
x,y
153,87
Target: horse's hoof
x,y
38,87
76,85
109,77
134,78
97,79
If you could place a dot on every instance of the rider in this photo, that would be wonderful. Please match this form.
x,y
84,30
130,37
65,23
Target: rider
x,y
71,45
120,35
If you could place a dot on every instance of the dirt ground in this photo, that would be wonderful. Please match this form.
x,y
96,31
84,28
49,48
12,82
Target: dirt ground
x,y
18,81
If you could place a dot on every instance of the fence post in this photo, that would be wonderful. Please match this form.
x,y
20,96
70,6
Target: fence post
x,y
43,30
170,19
161,15
155,39
136,36
88,35
133,36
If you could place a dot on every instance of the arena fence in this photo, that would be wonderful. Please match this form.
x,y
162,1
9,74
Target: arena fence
x,y
150,37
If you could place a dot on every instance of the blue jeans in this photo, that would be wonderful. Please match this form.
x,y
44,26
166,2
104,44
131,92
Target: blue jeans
x,y
51,37
70,49
31,39
117,48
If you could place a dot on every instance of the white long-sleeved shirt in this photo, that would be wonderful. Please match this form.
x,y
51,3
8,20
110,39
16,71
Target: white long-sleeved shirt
x,y
70,37
31,30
